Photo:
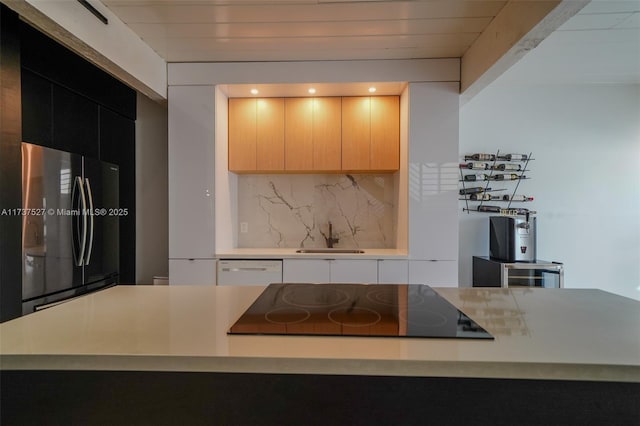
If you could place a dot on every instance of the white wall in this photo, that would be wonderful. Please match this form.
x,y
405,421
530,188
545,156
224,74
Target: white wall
x,y
152,240
585,177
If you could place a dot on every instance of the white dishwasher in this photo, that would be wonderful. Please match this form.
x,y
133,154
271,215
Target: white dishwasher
x,y
249,271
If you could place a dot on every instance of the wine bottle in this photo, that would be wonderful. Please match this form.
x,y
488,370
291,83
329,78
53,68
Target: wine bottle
x,y
479,197
514,167
484,197
483,157
509,176
473,190
492,209
476,177
515,157
517,197
477,166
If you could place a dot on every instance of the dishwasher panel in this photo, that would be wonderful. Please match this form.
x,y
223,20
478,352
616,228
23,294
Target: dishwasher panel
x,y
249,271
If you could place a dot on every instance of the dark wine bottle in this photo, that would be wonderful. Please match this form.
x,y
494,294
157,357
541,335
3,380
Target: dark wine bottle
x,y
517,197
510,176
491,209
473,190
476,177
479,197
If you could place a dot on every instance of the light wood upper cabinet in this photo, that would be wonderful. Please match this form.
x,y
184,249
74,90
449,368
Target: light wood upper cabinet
x,y
371,133
356,133
242,134
326,134
270,134
298,134
312,134
256,134
385,133
327,138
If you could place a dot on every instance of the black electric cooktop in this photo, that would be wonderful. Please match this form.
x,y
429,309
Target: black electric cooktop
x,y
383,310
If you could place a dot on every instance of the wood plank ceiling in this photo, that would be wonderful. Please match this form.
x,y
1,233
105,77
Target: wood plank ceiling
x,y
290,30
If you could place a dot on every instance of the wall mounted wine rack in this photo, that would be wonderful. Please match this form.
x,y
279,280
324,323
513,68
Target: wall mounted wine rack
x,y
490,169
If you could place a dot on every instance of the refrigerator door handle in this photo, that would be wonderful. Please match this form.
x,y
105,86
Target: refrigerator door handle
x,y
78,255
90,245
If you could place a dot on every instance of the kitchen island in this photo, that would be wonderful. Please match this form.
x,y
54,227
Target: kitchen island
x,y
576,351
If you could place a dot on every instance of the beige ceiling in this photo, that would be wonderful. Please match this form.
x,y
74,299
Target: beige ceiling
x,y
284,30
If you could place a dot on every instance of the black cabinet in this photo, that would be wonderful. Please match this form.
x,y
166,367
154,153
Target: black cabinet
x,y
75,123
37,109
489,272
118,146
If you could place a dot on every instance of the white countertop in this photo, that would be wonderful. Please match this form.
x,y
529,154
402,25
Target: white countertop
x,y
287,253
561,334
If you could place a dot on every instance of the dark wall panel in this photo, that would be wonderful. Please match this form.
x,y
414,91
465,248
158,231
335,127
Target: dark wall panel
x,y
117,145
10,166
168,398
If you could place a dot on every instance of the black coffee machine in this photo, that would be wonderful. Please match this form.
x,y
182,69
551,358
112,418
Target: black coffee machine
x,y
512,239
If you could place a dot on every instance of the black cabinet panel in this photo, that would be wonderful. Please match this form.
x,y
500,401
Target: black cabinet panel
x,y
117,145
37,110
75,123
55,62
189,398
10,167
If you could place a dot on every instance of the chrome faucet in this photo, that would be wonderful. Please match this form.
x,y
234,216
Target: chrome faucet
x,y
330,240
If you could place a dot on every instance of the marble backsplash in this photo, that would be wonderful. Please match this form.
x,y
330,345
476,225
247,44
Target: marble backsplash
x,y
294,211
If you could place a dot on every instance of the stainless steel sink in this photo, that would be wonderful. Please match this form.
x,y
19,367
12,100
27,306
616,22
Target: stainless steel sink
x,y
330,250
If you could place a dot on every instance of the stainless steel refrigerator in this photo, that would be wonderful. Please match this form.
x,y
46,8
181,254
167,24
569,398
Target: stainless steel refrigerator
x,y
70,226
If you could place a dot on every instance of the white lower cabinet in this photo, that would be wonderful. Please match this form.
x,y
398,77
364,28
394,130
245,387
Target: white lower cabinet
x,y
393,271
363,271
436,273
306,271
330,271
192,271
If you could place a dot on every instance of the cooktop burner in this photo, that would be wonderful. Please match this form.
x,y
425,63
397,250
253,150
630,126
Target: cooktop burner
x,y
384,310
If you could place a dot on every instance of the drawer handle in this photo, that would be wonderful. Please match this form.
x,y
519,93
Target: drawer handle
x,y
243,269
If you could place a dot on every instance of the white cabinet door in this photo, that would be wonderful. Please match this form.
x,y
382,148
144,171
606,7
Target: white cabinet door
x,y
306,271
433,170
354,271
330,271
191,172
393,271
192,272
441,273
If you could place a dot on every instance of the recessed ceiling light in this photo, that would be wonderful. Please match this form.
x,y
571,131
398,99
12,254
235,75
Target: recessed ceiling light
x,y
254,91
372,89
312,90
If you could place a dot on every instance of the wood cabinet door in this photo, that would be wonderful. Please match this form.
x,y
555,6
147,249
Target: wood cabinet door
x,y
356,133
242,134
298,134
385,133
270,134
327,134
